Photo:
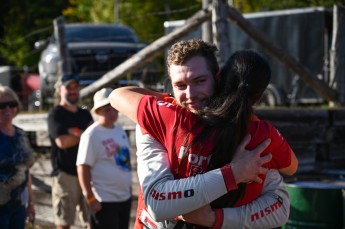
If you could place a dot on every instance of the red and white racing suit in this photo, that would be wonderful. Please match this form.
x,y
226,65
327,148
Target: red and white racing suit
x,y
167,197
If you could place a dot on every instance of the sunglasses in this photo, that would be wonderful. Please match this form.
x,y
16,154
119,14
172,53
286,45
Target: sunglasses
x,y
11,104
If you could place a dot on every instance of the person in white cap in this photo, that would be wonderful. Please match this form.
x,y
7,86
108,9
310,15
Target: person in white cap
x,y
103,165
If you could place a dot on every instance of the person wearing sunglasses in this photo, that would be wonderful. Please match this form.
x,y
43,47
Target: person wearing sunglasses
x,y
16,199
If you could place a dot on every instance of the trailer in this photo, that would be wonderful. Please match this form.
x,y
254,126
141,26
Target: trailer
x,y
303,33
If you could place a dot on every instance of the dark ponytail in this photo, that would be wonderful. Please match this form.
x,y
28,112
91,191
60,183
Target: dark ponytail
x,y
244,78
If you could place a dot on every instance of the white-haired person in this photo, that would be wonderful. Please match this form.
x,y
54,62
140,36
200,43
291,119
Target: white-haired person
x,y
16,199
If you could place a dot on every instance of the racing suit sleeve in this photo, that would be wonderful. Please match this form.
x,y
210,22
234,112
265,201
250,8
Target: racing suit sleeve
x,y
165,197
158,183
270,210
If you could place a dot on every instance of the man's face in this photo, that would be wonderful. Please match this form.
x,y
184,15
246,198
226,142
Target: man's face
x,y
70,93
192,82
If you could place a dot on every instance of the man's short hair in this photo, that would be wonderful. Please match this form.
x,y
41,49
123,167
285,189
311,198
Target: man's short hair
x,y
182,51
66,79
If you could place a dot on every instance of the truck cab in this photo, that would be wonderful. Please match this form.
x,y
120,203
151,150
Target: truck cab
x,y
93,50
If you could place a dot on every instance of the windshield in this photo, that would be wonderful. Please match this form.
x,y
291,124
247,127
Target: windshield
x,y
99,34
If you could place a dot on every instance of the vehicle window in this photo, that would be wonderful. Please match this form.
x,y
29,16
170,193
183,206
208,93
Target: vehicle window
x,y
99,34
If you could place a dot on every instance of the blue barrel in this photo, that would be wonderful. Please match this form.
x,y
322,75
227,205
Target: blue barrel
x,y
316,204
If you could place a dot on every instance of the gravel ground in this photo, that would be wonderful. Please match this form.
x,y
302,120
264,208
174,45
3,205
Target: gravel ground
x,y
42,193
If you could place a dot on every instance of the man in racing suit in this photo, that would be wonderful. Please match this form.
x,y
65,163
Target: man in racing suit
x,y
269,210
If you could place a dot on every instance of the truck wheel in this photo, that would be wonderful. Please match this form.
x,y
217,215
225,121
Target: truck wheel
x,y
272,97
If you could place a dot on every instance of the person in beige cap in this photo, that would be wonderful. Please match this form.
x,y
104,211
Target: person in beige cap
x,y
103,165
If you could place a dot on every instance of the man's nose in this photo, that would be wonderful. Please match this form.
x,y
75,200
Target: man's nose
x,y
190,92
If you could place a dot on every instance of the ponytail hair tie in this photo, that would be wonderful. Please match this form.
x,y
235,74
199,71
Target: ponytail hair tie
x,y
243,85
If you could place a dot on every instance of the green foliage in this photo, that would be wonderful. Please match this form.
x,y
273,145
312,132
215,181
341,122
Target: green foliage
x,y
246,6
24,22
147,18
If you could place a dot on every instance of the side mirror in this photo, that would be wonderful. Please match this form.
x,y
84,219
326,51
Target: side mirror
x,y
41,44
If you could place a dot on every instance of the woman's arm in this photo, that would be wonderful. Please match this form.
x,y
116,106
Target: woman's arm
x,y
270,210
292,168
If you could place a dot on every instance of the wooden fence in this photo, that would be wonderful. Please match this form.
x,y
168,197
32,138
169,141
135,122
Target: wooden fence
x,y
315,135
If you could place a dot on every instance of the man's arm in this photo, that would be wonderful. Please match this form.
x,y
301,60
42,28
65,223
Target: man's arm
x,y
126,100
66,141
63,141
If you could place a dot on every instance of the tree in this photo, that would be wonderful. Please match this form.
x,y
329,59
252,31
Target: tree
x,y
23,22
145,17
246,6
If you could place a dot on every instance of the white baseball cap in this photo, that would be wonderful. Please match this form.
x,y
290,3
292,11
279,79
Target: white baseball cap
x,y
101,99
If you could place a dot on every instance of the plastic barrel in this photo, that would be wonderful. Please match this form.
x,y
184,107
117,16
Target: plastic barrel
x,y
316,204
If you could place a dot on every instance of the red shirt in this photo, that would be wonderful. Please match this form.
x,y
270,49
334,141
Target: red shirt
x,y
175,128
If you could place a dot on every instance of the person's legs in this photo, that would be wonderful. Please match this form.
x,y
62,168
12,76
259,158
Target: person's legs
x,y
112,215
4,216
12,216
17,218
124,213
107,217
64,199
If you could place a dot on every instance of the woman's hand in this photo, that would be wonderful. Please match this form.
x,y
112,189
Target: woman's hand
x,y
203,216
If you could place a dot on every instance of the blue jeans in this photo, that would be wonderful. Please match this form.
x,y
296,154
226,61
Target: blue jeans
x,y
12,216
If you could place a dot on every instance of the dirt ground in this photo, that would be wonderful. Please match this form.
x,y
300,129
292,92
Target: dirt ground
x,y
42,193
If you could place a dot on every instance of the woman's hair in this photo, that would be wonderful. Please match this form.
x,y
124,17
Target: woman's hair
x,y
7,91
242,82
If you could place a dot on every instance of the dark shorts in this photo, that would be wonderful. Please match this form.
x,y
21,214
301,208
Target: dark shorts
x,y
115,215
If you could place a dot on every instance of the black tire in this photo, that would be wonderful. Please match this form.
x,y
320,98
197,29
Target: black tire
x,y
272,97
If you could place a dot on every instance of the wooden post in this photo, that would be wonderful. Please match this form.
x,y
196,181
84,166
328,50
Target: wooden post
x,y
59,34
221,30
337,56
207,25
